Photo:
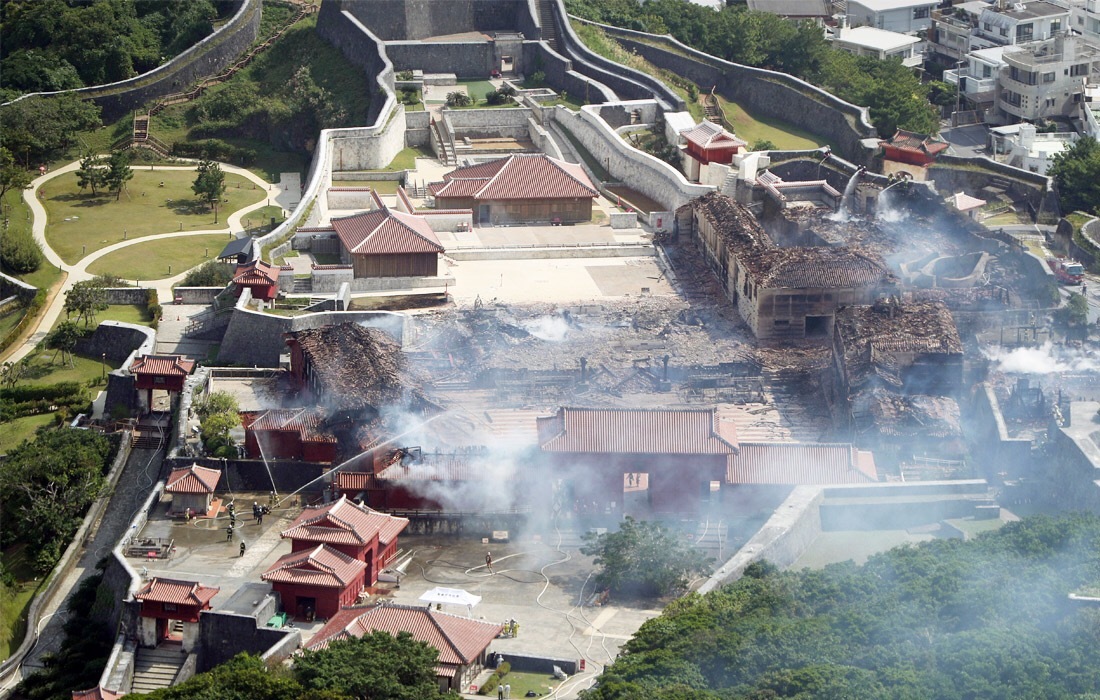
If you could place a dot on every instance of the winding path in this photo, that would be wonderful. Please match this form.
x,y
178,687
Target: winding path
x,y
78,272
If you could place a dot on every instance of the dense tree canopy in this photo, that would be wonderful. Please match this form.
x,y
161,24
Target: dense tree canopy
x,y
643,558
38,128
893,93
1076,172
62,44
945,619
378,666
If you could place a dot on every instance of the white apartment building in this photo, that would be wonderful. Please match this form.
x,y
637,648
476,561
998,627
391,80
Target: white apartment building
x,y
904,16
1007,23
879,43
1024,147
1045,78
1090,111
977,79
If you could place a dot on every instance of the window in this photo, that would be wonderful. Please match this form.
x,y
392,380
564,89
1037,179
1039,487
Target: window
x,y
1004,31
1048,77
169,607
1055,26
987,26
920,12
1024,32
1079,69
987,72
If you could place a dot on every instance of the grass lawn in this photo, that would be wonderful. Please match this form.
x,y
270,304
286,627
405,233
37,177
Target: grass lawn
x,y
406,159
16,211
102,221
126,313
11,319
258,222
477,88
44,369
974,527
522,682
14,432
786,137
379,186
13,613
1008,218
327,258
154,260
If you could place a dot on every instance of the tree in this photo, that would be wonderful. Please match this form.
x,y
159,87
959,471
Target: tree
x,y
643,558
209,184
209,274
12,175
1076,173
91,173
85,299
219,414
19,252
38,128
458,99
118,173
762,145
64,339
379,666
217,402
1075,313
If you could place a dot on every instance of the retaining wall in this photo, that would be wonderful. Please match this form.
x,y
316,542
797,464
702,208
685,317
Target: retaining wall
x,y
203,60
197,295
957,174
534,252
508,122
347,198
466,59
561,76
117,340
330,281
418,128
10,285
224,635
651,176
402,20
127,295
771,93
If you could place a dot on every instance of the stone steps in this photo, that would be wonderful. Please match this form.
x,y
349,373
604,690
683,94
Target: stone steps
x,y
157,668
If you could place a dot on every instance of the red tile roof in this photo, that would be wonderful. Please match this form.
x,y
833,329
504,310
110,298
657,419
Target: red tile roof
x,y
308,423
166,590
256,272
912,141
707,135
460,640
167,365
344,522
193,479
637,430
519,176
794,464
386,232
321,566
354,481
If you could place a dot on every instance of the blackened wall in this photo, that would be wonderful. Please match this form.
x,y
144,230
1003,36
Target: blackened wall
x,y
397,20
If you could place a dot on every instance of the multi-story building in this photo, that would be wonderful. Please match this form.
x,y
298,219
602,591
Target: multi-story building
x,y
1005,24
949,35
905,16
880,43
1090,111
1045,78
976,76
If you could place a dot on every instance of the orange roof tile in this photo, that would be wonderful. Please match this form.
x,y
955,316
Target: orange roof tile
x,y
460,640
193,479
637,430
256,272
308,423
794,464
519,176
166,590
708,135
321,566
344,522
384,231
96,693
168,365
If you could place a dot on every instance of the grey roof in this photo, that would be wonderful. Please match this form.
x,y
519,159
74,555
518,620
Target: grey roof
x,y
792,8
236,247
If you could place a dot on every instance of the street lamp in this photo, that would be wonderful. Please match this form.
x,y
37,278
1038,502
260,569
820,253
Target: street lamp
x,y
103,369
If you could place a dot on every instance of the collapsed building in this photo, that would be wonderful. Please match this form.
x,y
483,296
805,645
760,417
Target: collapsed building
x,y
781,293
897,370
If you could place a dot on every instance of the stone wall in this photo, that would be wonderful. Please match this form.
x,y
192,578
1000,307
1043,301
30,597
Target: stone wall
x,y
489,123
10,286
330,281
450,222
1036,192
408,20
347,198
466,59
117,340
224,635
986,429
652,177
206,58
561,76
197,295
127,295
771,93
418,128
551,252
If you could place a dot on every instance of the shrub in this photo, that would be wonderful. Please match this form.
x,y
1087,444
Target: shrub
x,y
458,99
214,149
538,78
495,97
210,274
19,252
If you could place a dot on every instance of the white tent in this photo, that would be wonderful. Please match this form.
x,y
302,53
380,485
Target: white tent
x,y
452,596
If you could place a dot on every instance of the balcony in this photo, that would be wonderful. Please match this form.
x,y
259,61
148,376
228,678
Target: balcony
x,y
948,18
972,87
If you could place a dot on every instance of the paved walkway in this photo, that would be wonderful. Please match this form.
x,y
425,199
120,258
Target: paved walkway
x,y
78,271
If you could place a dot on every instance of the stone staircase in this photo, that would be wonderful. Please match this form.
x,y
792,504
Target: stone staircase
x,y
157,668
303,286
446,150
546,19
146,438
712,110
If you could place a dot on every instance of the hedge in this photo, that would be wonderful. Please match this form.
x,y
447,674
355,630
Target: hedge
x,y
495,679
29,316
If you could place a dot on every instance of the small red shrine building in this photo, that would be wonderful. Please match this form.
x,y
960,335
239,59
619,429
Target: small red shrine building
x,y
260,277
159,373
164,601
684,452
96,693
462,642
288,433
707,143
354,530
911,147
316,582
192,488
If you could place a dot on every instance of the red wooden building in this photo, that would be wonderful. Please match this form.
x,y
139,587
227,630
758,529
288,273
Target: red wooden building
x,y
354,530
317,581
288,433
260,277
913,148
388,243
462,642
192,489
684,452
159,373
708,143
97,693
164,601
522,188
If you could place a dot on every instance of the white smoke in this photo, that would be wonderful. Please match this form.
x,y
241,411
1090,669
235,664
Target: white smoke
x,y
553,329
1044,360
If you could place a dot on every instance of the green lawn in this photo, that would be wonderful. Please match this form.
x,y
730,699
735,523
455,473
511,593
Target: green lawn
x,y
522,682
258,222
14,432
154,260
379,186
11,319
13,612
47,367
127,313
327,258
145,209
16,211
753,128
406,159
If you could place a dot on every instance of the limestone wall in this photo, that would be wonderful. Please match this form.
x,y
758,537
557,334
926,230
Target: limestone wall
x,y
550,252
12,286
205,59
450,221
773,94
408,20
197,295
117,340
652,177
489,123
331,280
224,635
561,76
417,128
348,198
126,295
466,59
